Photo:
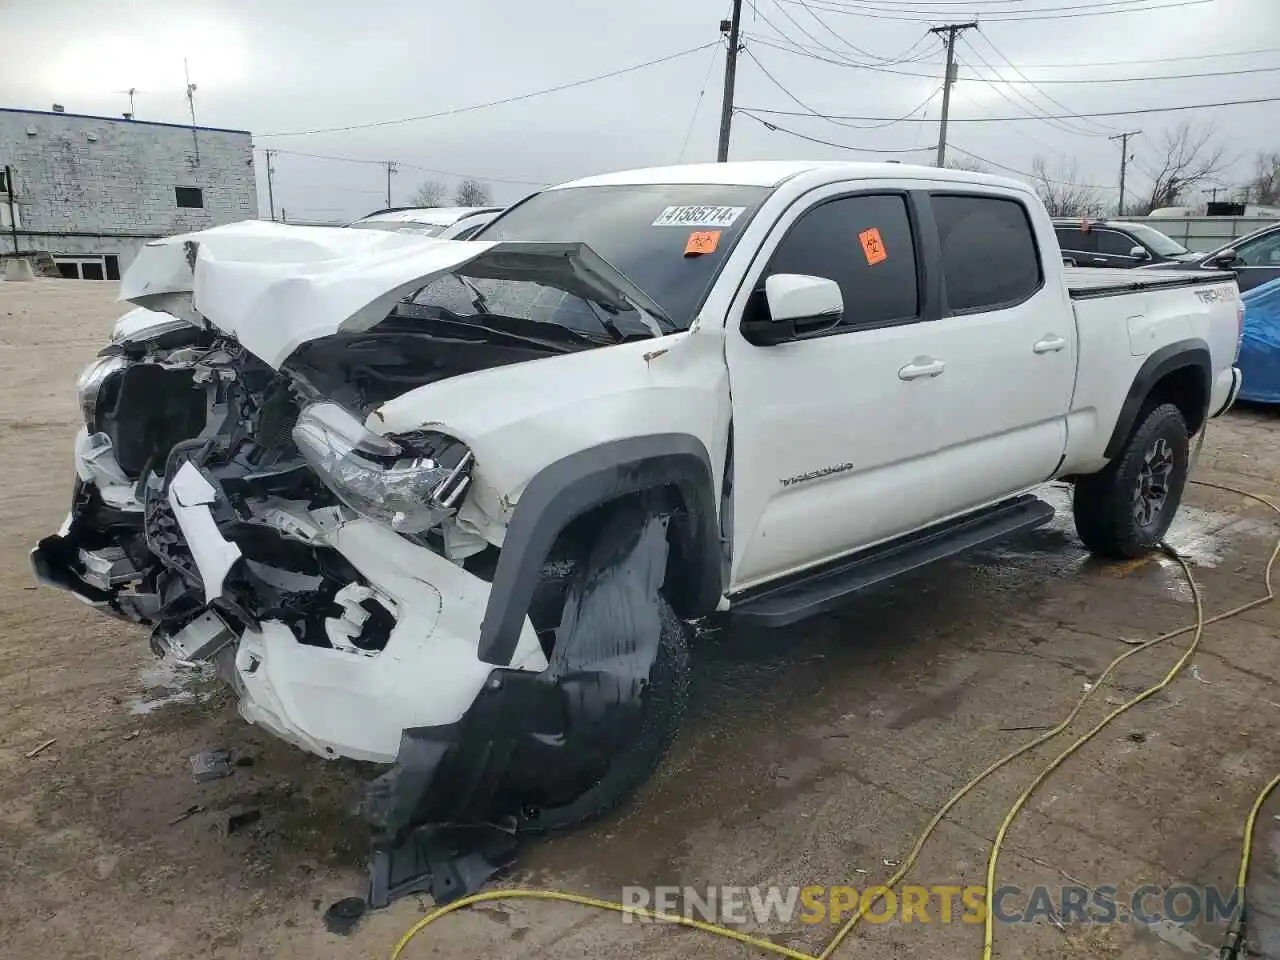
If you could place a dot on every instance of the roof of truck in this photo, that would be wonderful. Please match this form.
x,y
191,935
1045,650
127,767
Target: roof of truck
x,y
770,173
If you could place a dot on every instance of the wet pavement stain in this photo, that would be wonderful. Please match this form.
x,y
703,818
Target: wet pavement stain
x,y
941,704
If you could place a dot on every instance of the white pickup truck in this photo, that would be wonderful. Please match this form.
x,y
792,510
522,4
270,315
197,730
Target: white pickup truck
x,y
450,506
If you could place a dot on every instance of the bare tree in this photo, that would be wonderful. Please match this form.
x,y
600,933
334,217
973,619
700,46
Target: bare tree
x,y
1190,157
967,163
472,193
430,194
1264,187
1062,192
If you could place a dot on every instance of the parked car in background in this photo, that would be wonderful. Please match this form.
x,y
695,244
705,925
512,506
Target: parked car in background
x,y
446,223
1253,258
1115,243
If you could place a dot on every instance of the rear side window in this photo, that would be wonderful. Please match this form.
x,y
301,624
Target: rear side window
x,y
865,245
989,255
1076,240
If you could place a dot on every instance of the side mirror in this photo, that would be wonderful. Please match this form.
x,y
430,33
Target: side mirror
x,y
1225,260
797,306
1139,253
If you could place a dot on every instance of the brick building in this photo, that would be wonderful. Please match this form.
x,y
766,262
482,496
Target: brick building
x,y
92,190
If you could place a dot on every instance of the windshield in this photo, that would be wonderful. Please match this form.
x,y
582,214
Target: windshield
x,y
1157,241
400,226
670,240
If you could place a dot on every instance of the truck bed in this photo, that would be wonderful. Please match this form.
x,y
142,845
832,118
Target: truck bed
x,y
1087,282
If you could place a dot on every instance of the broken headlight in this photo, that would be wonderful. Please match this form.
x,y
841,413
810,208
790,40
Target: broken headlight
x,y
410,485
91,381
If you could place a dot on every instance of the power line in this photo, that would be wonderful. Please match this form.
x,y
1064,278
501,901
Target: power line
x,y
903,57
1023,173
815,113
852,46
828,143
929,7
1100,129
1067,116
697,104
800,48
879,13
496,103
410,166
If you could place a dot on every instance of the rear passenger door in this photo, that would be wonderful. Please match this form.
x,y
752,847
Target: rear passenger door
x,y
1008,340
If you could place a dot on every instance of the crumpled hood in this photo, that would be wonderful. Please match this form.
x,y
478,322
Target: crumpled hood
x,y
274,287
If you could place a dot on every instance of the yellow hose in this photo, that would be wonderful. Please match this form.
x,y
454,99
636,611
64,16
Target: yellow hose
x,y
867,905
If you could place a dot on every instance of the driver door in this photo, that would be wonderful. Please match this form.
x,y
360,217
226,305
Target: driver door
x,y
834,434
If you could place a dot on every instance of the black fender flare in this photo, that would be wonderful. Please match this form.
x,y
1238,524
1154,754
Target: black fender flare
x,y
1192,353
566,489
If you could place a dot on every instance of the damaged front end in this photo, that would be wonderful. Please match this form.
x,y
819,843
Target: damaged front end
x,y
340,577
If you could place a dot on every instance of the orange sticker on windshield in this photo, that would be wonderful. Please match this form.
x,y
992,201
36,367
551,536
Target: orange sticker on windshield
x,y
702,241
872,246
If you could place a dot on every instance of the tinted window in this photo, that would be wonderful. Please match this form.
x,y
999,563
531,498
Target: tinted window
x,y
865,245
1077,240
644,230
1115,244
989,256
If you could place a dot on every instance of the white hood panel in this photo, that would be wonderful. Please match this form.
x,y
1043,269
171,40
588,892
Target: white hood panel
x,y
274,286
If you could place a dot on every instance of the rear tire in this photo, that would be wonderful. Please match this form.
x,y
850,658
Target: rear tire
x,y
1124,510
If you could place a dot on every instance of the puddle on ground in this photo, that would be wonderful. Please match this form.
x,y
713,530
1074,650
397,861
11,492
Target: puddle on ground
x,y
165,682
1203,537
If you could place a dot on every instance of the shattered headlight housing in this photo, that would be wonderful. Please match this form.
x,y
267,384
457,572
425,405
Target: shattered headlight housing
x,y
91,381
411,484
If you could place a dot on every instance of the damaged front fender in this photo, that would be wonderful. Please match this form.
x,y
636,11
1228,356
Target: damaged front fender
x,y
552,748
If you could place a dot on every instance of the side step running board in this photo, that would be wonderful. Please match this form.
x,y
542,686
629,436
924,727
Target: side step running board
x,y
813,591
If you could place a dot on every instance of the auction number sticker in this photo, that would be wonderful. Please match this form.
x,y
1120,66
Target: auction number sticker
x,y
698,216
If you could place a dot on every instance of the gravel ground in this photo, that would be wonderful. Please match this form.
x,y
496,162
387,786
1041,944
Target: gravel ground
x,y
809,756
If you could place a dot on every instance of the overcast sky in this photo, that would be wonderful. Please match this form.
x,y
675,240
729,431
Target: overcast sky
x,y
296,65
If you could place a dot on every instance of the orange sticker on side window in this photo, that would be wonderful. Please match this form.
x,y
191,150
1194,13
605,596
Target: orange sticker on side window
x,y
702,241
872,246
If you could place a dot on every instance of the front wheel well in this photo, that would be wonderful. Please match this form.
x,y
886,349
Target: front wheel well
x,y
684,557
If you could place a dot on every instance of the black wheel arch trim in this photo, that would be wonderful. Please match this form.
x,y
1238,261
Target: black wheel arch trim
x,y
1192,353
570,487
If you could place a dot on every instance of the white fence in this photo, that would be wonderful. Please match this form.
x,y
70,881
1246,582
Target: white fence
x,y
1204,233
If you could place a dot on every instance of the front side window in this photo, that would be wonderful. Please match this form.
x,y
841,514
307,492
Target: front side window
x,y
1114,244
989,255
863,243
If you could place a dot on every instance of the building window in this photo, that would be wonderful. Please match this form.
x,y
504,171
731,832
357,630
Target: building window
x,y
189,197
4,182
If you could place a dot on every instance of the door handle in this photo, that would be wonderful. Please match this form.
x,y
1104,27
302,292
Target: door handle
x,y
921,367
1050,344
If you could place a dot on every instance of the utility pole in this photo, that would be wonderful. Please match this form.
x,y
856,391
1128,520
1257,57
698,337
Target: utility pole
x,y
950,30
271,199
1124,160
391,168
730,27
191,102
